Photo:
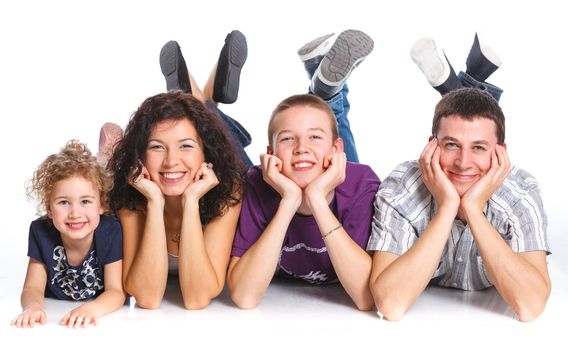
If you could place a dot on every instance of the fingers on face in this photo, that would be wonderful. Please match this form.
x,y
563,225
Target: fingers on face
x,y
144,174
206,170
428,153
500,160
274,162
430,158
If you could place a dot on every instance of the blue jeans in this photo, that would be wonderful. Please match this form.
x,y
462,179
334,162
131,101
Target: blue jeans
x,y
340,107
468,81
238,133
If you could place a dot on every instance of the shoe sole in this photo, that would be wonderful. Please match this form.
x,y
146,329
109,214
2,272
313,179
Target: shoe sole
x,y
349,49
317,47
231,60
109,136
174,68
430,61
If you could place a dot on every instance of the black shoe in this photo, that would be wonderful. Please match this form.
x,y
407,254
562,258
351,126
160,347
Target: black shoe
x,y
231,60
174,68
482,61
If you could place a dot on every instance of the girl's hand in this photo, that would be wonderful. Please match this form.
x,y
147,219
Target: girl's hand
x,y
79,317
205,179
29,317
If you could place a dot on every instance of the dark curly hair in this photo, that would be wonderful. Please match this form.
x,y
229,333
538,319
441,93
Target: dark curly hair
x,y
218,148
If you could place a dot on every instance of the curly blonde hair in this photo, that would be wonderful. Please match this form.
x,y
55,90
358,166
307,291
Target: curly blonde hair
x,y
74,159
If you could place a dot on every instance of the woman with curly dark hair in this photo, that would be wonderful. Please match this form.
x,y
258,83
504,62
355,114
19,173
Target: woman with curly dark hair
x,y
179,180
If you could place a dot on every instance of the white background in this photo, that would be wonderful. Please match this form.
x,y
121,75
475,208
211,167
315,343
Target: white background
x,y
66,67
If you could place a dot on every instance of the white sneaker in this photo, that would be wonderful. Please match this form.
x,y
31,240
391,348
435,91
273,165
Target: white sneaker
x,y
431,61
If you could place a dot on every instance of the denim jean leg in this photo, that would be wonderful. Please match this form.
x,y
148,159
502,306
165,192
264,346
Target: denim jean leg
x,y
238,133
340,106
469,81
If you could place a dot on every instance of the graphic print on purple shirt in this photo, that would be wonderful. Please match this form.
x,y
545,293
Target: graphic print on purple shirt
x,y
304,254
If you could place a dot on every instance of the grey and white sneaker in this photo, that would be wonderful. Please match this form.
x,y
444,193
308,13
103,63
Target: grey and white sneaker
x,y
435,65
349,49
313,52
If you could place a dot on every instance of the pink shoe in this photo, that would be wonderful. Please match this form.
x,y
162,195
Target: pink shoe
x,y
109,137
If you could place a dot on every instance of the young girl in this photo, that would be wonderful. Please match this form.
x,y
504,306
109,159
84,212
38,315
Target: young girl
x,y
75,252
307,211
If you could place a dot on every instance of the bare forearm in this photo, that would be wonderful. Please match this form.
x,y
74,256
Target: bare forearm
x,y
147,277
250,277
110,300
350,262
520,283
353,267
398,286
198,280
32,298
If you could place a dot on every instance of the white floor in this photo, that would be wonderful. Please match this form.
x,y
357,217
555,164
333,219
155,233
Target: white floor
x,y
301,315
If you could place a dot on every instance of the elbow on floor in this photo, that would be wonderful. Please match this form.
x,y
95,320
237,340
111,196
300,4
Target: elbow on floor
x,y
389,310
528,313
148,303
363,306
196,303
245,302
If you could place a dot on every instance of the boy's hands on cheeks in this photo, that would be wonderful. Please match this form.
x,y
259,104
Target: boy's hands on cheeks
x,y
333,176
29,317
205,179
145,186
435,179
480,192
79,317
272,174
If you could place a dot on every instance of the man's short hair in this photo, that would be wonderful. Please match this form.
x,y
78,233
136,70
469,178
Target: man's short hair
x,y
470,103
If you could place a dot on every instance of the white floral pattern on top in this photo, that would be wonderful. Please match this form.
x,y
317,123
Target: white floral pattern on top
x,y
81,282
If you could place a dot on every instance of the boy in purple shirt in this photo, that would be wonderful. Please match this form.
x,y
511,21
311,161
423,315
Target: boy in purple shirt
x,y
307,212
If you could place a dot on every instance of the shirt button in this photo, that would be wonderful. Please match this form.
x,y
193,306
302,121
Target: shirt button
x,y
460,259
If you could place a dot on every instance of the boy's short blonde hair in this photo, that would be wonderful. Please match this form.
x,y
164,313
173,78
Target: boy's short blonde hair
x,y
74,159
303,100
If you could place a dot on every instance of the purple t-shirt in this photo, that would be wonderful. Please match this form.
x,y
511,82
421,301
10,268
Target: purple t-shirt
x,y
304,254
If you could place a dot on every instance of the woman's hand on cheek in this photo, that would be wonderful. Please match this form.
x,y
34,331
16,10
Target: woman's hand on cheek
x,y
143,184
205,179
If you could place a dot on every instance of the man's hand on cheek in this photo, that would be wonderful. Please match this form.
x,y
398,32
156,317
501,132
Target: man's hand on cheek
x,y
435,179
480,192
